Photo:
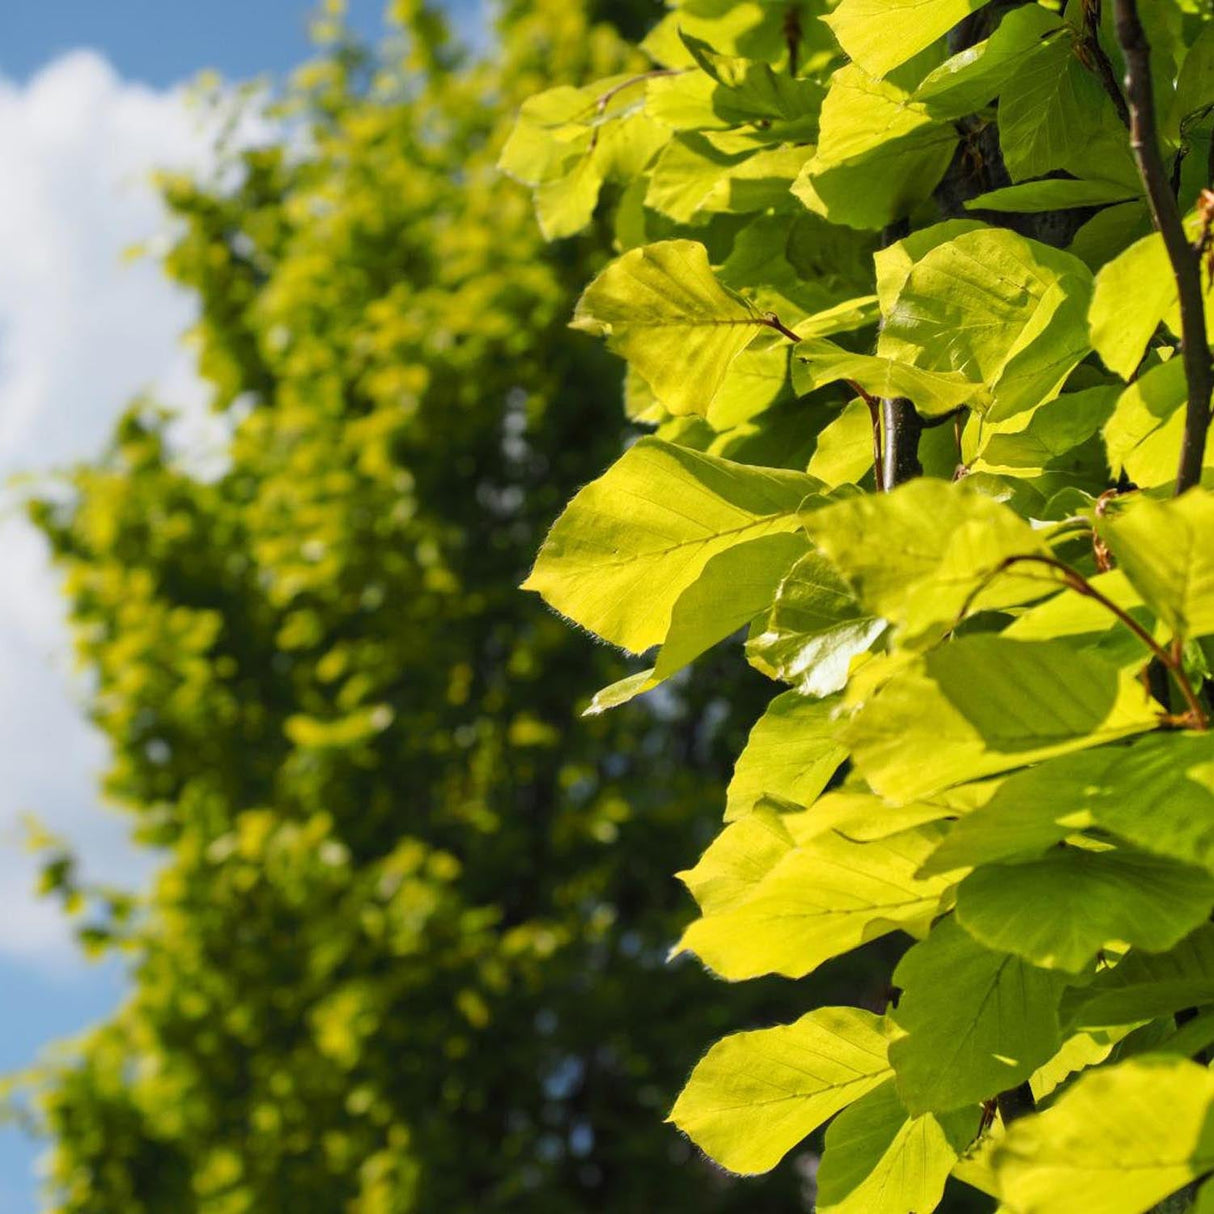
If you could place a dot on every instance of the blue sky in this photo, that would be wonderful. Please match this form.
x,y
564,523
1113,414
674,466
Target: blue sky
x,y
90,102
161,42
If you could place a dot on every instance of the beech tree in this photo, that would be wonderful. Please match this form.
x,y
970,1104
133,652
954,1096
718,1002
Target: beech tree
x,y
914,299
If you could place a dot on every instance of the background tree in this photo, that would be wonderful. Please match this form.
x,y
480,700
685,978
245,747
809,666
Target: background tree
x,y
401,951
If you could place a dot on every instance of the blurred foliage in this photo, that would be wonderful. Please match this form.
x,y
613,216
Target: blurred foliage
x,y
406,946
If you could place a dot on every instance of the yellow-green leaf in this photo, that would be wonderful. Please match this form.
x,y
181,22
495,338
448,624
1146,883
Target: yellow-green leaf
x,y
791,754
755,1095
824,897
662,308
1119,1141
879,1159
633,541
1166,549
880,35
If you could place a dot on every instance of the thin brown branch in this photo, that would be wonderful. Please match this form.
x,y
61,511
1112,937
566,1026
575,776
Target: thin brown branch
x,y
1170,657
772,321
1100,550
874,417
604,99
792,35
1186,264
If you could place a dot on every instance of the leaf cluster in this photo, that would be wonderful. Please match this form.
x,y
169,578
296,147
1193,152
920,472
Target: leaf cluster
x,y
893,308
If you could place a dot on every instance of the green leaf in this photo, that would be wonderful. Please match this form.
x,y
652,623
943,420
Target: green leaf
x,y
1143,435
553,132
824,897
895,262
863,817
565,206
983,705
818,362
977,1022
1204,1202
1053,194
698,174
785,107
967,81
734,587
812,630
1165,550
1124,1137
1029,812
918,555
879,153
1087,621
1190,1038
1195,85
791,754
739,858
1007,312
1142,986
1157,791
1093,899
662,309
755,1095
1076,1053
1133,293
1053,114
843,453
880,35
567,142
756,381
630,543
880,1160
1030,442
734,27
800,265
690,174
1110,232
843,317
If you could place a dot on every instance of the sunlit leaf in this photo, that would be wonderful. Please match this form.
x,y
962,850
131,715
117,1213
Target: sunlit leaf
x,y
984,705
791,754
1124,1137
880,1160
825,896
632,542
813,629
1165,550
881,34
662,308
755,1095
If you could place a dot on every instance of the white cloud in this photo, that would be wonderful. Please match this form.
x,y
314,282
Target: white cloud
x,y
81,332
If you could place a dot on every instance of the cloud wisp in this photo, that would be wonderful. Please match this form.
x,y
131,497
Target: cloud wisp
x,y
82,331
